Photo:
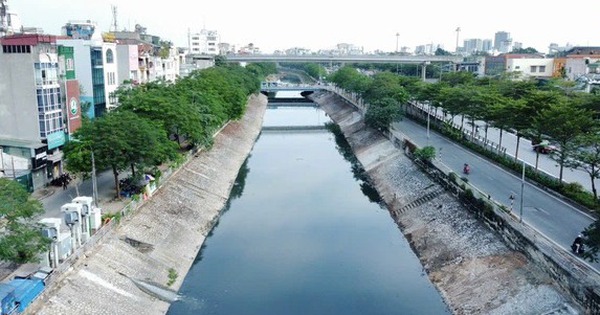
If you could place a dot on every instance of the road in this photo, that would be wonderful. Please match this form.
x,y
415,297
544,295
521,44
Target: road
x,y
526,152
548,214
106,192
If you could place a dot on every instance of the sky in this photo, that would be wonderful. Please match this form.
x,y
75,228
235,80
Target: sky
x,y
320,24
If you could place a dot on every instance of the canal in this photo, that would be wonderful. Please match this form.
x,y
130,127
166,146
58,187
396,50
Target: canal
x,y
303,233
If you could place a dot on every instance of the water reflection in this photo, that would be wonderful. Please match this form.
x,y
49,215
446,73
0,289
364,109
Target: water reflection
x,y
303,239
359,172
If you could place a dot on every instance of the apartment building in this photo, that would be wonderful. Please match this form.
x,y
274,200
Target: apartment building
x,y
205,42
32,107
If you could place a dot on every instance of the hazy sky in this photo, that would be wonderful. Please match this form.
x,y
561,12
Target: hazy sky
x,y
320,24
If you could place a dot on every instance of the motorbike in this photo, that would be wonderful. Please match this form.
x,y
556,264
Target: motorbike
x,y
578,248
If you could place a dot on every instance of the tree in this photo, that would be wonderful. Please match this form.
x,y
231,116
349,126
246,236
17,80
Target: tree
x,y
441,52
21,241
425,154
121,139
563,124
381,113
592,241
586,157
528,50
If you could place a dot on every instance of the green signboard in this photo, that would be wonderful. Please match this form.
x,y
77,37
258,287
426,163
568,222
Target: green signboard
x,y
55,139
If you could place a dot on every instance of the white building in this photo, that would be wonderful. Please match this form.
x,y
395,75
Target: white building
x,y
9,21
205,42
95,65
531,67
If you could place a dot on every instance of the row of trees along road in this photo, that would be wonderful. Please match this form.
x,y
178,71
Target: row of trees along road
x,y
536,109
152,125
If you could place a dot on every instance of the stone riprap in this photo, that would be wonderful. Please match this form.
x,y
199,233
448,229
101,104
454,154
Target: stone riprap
x,y
470,265
165,233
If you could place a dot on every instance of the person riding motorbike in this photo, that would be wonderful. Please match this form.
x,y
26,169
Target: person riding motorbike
x,y
577,246
466,169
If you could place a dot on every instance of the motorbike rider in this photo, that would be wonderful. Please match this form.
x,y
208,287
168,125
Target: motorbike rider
x,y
577,246
466,168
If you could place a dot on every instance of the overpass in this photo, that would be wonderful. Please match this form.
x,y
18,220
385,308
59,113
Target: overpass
x,y
345,59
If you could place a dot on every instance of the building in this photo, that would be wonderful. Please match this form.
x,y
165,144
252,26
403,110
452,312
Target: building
x,y
32,109
428,49
95,66
206,42
502,42
9,21
524,65
472,46
579,59
144,58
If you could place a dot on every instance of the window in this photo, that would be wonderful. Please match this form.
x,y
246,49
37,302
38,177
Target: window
x,y
542,69
533,69
109,56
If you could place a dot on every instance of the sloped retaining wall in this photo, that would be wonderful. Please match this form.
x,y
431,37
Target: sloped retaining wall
x,y
574,277
166,232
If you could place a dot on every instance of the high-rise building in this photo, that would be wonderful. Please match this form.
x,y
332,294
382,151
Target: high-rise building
x,y
473,45
502,41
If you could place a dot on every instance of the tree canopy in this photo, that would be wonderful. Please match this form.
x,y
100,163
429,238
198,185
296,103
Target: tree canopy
x,y
21,239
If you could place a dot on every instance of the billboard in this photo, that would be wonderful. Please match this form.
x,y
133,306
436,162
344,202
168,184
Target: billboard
x,y
73,106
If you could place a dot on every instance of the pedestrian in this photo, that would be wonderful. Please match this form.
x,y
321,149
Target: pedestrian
x,y
65,183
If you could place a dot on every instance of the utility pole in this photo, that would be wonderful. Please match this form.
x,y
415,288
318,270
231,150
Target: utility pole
x,y
457,33
94,185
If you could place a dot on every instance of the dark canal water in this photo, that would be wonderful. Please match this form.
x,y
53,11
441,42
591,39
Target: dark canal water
x,y
303,234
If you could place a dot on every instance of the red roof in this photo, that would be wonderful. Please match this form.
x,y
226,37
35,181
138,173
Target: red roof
x,y
28,39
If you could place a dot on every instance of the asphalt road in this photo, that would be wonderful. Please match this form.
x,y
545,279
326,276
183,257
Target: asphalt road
x,y
526,152
549,215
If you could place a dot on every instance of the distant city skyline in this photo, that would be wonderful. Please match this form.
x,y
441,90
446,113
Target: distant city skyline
x,y
315,25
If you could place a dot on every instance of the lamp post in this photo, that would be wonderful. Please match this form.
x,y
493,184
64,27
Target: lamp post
x,y
397,37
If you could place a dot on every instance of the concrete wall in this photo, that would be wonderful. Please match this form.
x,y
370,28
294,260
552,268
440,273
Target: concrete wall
x,y
18,99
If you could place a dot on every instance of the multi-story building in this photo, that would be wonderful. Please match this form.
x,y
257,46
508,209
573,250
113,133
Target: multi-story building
x,y
502,42
428,49
95,64
9,21
205,42
487,45
471,46
144,58
32,109
525,65
579,60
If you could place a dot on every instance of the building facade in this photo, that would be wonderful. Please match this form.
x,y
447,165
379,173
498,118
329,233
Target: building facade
x,y
204,42
32,111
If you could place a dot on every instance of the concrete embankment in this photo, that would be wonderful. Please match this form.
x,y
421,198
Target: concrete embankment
x,y
165,233
474,270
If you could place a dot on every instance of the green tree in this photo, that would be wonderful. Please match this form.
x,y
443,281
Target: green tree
x,y
381,113
586,157
564,123
20,240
